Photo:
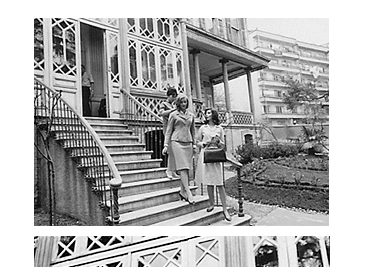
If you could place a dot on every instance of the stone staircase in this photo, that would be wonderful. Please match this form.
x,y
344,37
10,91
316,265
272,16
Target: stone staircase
x,y
147,196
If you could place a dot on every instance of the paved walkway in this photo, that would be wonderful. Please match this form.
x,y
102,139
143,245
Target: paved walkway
x,y
265,215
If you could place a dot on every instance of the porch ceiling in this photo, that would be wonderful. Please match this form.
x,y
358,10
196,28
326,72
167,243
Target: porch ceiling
x,y
213,48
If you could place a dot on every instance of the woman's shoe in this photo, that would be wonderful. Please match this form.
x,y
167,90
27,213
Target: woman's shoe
x,y
182,197
190,202
227,218
209,209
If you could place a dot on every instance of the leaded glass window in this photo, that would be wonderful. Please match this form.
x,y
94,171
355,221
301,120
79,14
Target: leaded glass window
x,y
113,56
308,252
39,60
134,80
265,251
148,65
64,46
146,27
166,65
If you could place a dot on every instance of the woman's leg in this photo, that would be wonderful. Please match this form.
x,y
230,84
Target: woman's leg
x,y
184,176
211,196
221,191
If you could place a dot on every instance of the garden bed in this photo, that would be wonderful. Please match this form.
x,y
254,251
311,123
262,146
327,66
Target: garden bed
x,y
286,182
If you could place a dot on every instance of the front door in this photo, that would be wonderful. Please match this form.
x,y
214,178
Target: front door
x,y
113,72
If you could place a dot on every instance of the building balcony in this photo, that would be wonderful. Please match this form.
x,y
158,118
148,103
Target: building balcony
x,y
267,82
269,99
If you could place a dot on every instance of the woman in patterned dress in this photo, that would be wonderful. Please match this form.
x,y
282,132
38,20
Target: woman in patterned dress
x,y
211,174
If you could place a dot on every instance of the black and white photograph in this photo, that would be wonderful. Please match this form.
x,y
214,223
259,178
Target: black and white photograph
x,y
181,122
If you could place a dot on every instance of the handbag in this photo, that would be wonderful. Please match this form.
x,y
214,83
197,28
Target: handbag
x,y
214,154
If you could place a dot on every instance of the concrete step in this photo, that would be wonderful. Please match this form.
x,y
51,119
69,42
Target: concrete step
x,y
235,221
125,147
149,199
129,176
113,133
94,120
163,212
138,164
108,126
144,186
199,218
127,139
130,155
140,175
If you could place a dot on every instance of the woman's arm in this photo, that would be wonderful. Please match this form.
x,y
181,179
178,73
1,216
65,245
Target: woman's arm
x,y
169,129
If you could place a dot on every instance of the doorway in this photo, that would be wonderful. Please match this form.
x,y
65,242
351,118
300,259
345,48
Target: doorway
x,y
93,57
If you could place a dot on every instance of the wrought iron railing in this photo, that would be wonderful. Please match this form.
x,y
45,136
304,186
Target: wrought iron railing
x,y
53,113
145,124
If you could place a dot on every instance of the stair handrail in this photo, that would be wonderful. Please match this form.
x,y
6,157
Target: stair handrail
x,y
141,105
116,181
145,124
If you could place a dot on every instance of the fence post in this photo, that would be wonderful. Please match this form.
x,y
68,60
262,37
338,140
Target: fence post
x,y
240,197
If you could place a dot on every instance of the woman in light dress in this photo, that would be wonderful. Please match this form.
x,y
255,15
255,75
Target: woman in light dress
x,y
211,174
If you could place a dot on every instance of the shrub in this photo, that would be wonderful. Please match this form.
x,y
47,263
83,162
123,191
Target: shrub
x,y
248,152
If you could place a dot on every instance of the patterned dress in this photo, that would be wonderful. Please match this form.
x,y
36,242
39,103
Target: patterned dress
x,y
209,173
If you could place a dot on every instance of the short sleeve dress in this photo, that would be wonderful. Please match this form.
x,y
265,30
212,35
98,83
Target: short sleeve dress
x,y
209,173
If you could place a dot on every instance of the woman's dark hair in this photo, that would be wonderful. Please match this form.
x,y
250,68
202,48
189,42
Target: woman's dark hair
x,y
172,91
214,117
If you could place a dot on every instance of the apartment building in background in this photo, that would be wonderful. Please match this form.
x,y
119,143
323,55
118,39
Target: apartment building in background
x,y
306,62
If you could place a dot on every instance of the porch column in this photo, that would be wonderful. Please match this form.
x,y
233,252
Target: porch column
x,y
236,254
226,85
250,90
124,54
44,251
185,55
195,53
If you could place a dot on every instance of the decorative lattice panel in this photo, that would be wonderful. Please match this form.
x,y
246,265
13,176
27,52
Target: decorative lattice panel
x,y
151,103
109,21
170,258
66,246
97,242
64,46
39,60
242,118
308,251
265,251
207,253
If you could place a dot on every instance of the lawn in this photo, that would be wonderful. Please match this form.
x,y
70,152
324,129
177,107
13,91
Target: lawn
x,y
285,186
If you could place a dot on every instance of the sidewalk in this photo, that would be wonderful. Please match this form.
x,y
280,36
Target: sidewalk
x,y
266,215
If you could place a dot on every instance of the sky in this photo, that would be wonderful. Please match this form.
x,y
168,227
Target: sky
x,y
311,30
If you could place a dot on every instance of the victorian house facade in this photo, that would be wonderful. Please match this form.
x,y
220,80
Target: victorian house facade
x,y
182,251
132,61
